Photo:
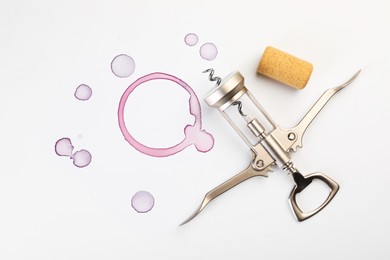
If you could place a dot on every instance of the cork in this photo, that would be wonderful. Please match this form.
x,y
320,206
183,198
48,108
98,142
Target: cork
x,y
285,68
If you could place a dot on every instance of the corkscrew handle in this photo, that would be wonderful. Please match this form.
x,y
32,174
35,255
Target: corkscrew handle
x,y
291,139
302,182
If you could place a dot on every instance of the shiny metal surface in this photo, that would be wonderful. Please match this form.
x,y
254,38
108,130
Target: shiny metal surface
x,y
299,214
272,147
225,94
284,135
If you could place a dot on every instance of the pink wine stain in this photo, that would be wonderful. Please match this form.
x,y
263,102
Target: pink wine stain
x,y
64,147
208,51
83,92
191,39
194,134
122,66
142,201
81,158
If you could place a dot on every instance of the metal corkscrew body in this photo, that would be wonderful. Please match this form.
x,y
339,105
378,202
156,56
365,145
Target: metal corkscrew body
x,y
269,143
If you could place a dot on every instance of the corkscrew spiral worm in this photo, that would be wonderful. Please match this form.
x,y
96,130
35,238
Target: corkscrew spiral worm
x,y
211,76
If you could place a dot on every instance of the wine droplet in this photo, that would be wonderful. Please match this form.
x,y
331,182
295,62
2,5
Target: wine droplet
x,y
83,92
191,39
142,201
81,158
208,51
64,147
122,66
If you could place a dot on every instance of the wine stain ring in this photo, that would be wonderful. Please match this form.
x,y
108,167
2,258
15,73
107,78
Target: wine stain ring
x,y
194,134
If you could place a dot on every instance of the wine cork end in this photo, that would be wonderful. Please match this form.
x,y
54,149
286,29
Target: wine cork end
x,y
285,68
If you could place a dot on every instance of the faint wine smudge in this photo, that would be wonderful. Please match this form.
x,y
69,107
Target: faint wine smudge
x,y
142,201
83,92
64,147
82,158
208,51
191,39
122,66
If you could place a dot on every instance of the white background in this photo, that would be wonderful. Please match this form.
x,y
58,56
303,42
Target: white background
x,y
49,209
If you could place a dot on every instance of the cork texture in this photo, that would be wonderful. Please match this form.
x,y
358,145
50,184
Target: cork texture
x,y
285,68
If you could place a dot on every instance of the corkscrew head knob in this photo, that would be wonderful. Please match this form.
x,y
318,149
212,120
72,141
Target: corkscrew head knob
x,y
230,90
